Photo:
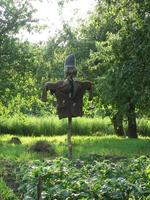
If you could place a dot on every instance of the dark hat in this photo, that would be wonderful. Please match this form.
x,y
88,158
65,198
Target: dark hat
x,y
70,61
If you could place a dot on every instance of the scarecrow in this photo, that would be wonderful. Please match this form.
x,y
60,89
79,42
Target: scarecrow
x,y
69,93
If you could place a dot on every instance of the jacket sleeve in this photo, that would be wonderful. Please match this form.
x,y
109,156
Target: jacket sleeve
x,y
87,85
52,87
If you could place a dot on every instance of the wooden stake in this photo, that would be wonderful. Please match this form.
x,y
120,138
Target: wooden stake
x,y
69,134
39,188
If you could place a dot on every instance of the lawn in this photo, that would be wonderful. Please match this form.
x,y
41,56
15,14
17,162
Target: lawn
x,y
82,146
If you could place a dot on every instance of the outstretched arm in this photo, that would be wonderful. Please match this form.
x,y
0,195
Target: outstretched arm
x,y
87,85
48,86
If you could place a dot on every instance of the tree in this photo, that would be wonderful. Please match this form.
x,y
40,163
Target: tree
x,y
14,15
121,60
18,62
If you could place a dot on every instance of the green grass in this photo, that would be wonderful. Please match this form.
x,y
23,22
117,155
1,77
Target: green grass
x,y
82,146
112,145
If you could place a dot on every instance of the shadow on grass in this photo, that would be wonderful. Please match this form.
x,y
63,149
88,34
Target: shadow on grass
x,y
111,146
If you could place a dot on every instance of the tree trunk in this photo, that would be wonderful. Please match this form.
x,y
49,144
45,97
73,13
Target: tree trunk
x,y
132,126
117,121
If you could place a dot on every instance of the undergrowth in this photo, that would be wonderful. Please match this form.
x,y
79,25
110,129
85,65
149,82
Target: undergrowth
x,y
5,192
62,179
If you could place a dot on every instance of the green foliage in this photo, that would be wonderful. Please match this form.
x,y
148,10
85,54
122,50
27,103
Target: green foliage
x,y
111,48
14,15
143,127
18,60
5,192
64,179
120,63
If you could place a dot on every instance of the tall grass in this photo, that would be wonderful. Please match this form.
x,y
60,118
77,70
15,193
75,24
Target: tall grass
x,y
144,127
50,126
33,126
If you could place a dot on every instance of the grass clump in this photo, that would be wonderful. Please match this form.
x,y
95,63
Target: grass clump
x,y
42,146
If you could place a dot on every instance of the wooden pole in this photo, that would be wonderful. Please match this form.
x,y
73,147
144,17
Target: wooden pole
x,y
39,188
69,134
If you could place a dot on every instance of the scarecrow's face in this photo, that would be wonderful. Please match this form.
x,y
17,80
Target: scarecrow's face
x,y
70,71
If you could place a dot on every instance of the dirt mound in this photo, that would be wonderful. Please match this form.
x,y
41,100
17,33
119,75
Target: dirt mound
x,y
14,140
42,147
